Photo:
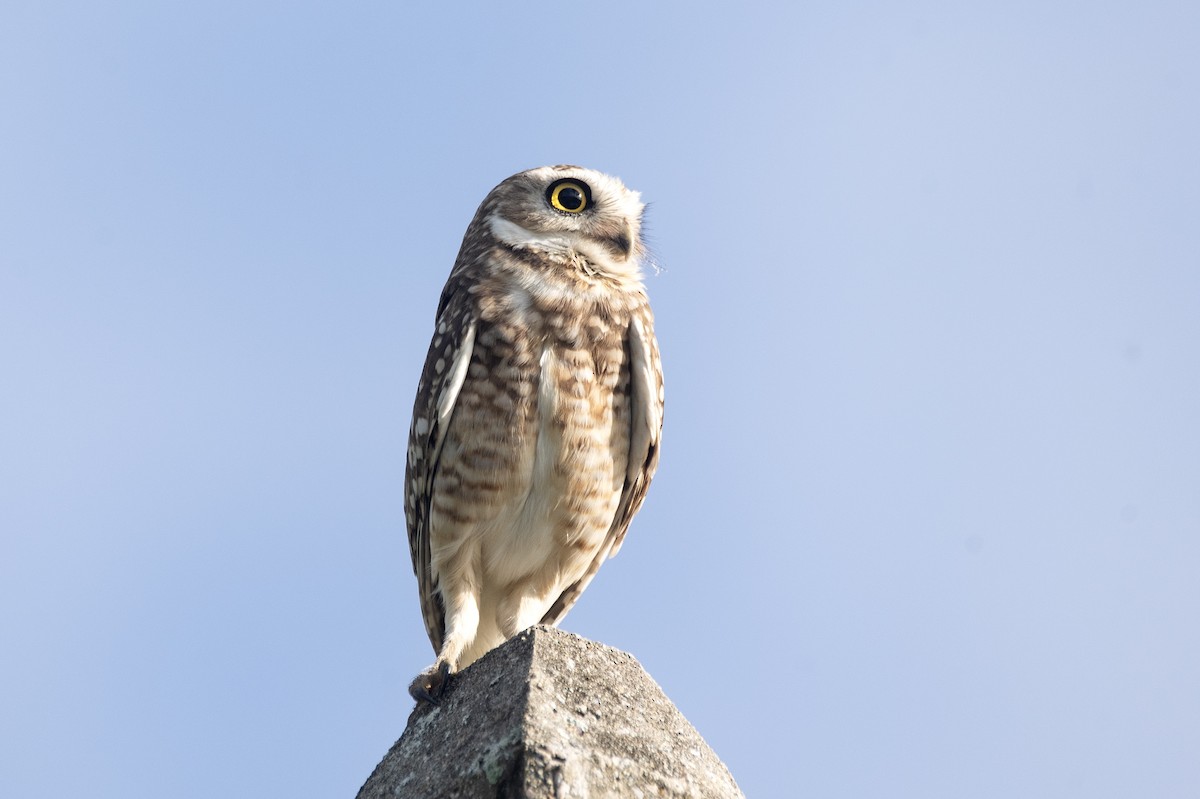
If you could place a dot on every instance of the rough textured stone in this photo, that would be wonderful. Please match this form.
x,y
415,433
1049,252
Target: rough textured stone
x,y
550,714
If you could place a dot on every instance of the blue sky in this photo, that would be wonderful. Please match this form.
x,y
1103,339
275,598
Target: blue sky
x,y
928,517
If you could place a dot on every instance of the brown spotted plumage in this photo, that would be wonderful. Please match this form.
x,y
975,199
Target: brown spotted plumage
x,y
538,415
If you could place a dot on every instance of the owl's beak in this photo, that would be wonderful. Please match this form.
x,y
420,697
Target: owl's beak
x,y
621,243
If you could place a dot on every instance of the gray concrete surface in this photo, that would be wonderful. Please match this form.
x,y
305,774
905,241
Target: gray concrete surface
x,y
550,714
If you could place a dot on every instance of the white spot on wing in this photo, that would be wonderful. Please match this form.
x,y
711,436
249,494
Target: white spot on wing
x,y
458,373
641,371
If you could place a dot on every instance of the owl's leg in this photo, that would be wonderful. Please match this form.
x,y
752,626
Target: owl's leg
x,y
462,625
507,611
520,610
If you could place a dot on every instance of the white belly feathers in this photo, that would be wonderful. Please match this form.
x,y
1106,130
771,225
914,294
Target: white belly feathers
x,y
549,531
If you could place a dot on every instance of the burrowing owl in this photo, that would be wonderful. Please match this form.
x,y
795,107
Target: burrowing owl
x,y
536,427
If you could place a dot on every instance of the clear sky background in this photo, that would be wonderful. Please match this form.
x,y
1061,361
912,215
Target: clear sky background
x,y
928,517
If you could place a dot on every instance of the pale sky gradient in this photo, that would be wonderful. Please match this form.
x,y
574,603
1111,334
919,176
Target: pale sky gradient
x,y
928,517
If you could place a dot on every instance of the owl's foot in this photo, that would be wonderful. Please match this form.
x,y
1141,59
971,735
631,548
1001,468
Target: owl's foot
x,y
430,684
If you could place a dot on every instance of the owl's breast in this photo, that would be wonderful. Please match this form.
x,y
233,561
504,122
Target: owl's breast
x,y
538,451
555,442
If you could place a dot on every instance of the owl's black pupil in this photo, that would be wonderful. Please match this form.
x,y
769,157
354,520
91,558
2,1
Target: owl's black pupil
x,y
570,198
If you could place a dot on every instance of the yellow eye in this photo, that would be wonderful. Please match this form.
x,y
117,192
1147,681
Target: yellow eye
x,y
571,196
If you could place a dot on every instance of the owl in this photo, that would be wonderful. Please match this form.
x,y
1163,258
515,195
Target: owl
x,y
538,416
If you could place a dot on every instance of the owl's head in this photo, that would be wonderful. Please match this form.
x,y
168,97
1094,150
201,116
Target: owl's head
x,y
574,215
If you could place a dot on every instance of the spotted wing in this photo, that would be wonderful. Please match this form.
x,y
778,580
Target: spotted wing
x,y
437,393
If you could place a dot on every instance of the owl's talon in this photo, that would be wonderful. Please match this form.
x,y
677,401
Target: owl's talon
x,y
430,685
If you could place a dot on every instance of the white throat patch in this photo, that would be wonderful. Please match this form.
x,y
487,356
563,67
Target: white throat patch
x,y
567,246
